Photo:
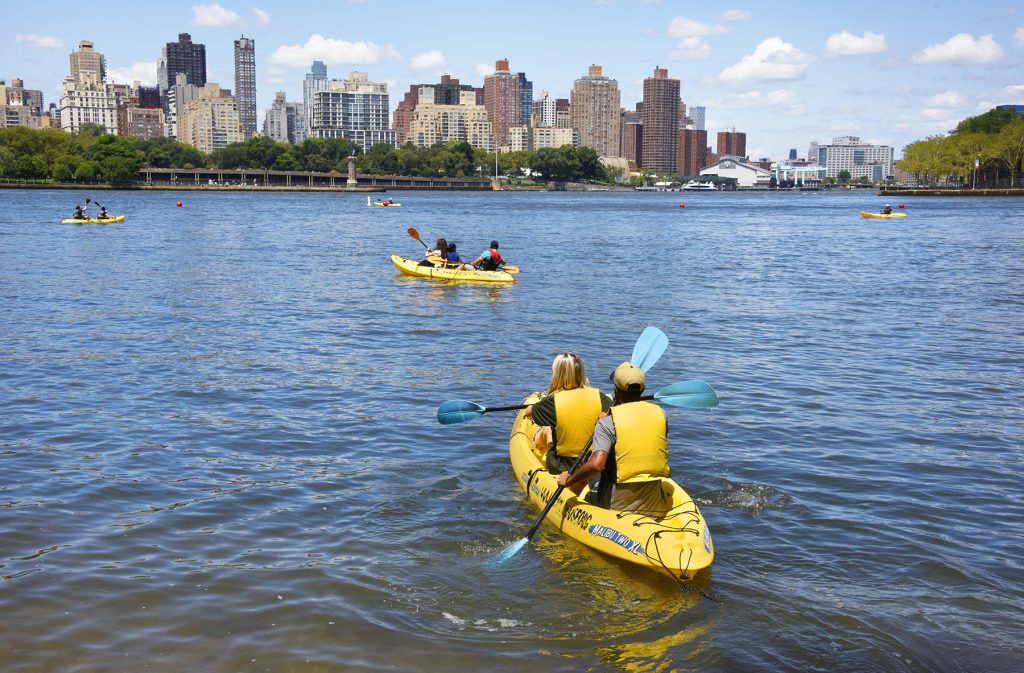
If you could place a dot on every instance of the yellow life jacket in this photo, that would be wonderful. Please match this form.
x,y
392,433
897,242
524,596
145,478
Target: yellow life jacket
x,y
576,414
641,442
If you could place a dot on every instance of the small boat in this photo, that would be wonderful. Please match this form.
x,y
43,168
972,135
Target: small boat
x,y
93,220
694,186
387,204
882,215
678,544
412,267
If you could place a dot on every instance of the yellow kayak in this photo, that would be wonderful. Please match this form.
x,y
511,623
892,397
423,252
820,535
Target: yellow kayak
x,y
93,220
387,205
882,215
678,545
412,267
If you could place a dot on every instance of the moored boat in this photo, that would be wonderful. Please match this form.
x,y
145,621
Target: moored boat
x,y
93,220
882,216
695,186
412,267
677,544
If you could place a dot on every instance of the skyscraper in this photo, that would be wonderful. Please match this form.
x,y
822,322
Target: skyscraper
x,y
316,80
181,57
697,114
86,97
88,65
595,112
245,84
525,99
354,108
693,151
661,122
732,143
503,101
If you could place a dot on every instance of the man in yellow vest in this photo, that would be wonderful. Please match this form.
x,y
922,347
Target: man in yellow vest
x,y
630,451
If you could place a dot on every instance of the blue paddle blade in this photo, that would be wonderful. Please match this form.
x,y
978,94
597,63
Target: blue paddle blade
x,y
507,553
458,411
691,394
649,347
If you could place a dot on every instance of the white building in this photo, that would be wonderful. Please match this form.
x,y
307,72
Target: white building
x,y
178,96
747,175
285,122
552,137
544,110
848,153
86,97
353,108
434,123
316,80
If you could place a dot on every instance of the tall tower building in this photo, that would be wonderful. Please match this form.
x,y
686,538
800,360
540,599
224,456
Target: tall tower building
x,y
316,80
661,122
525,99
731,143
595,112
245,84
632,131
88,65
693,151
503,101
698,114
210,121
544,111
284,122
181,57
353,108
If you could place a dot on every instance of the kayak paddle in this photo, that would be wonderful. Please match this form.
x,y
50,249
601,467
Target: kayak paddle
x,y
415,234
694,394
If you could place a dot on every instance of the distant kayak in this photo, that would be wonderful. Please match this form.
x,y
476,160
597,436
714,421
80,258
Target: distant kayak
x,y
93,220
386,204
882,216
412,267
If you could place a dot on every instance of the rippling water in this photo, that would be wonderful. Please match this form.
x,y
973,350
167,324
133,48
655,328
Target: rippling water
x,y
218,449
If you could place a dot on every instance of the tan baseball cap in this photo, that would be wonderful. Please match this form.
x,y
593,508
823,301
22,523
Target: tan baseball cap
x,y
628,376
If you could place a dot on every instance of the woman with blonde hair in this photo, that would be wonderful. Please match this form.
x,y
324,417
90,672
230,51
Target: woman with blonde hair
x,y
566,415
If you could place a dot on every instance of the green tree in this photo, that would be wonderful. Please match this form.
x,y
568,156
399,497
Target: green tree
x,y
27,167
991,122
65,167
87,171
844,176
382,159
286,161
1008,147
118,157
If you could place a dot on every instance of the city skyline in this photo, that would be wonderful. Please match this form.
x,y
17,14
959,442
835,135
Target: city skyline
x,y
784,76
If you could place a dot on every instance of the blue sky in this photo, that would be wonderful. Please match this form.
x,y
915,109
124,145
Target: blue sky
x,y
784,73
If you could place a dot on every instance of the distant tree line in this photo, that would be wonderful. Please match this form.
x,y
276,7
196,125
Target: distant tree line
x,y
994,139
92,156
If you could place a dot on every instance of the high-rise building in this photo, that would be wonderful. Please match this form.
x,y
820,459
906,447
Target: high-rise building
x,y
181,57
812,152
792,153
661,122
86,97
210,121
732,143
563,114
503,100
693,151
245,84
632,133
180,93
543,111
449,91
434,122
284,121
595,112
698,114
87,64
549,136
316,80
20,106
353,108
862,160
525,99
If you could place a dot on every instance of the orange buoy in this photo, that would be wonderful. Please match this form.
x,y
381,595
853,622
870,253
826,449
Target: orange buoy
x,y
179,204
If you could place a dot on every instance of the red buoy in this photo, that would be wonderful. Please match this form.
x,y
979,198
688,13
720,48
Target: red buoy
x,y
179,204
901,205
682,205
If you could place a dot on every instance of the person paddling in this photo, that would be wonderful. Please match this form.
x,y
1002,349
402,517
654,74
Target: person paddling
x,y
79,213
887,210
490,260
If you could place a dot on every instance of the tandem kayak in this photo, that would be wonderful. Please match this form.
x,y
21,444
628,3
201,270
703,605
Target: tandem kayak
x,y
882,215
384,204
678,544
93,220
412,267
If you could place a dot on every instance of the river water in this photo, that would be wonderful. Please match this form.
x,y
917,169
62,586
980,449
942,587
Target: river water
x,y
218,449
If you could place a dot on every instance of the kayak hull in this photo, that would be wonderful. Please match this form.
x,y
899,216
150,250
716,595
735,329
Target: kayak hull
x,y
678,545
882,216
411,267
93,220
388,205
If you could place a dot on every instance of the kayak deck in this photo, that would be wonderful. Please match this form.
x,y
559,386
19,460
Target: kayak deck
x,y
93,220
882,216
678,544
412,267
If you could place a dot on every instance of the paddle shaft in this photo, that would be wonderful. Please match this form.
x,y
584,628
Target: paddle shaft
x,y
558,491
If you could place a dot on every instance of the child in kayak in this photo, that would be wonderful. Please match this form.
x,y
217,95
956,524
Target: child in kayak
x,y
453,259
440,250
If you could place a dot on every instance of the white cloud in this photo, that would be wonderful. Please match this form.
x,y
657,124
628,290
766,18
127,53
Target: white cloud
x,y
261,16
1014,91
690,48
1018,37
848,44
734,15
772,59
213,15
144,72
484,70
962,48
946,99
331,52
684,27
779,98
934,114
40,41
429,60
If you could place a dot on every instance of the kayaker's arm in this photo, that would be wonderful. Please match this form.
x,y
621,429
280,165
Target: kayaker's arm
x,y
593,466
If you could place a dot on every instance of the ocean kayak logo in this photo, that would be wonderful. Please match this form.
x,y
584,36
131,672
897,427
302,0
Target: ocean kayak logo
x,y
618,538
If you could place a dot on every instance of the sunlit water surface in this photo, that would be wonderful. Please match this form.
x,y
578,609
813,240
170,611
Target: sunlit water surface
x,y
218,449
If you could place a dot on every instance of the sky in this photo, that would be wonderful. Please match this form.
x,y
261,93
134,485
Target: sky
x,y
785,73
